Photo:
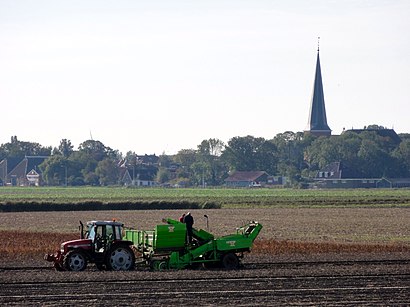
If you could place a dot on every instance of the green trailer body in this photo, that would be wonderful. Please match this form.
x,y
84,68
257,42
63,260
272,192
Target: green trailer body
x,y
170,237
166,247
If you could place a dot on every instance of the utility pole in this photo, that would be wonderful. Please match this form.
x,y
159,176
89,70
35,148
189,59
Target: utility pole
x,y
65,174
65,166
203,177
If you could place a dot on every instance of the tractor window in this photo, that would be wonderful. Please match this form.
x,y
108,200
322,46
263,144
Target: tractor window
x,y
109,232
118,233
90,233
99,232
99,239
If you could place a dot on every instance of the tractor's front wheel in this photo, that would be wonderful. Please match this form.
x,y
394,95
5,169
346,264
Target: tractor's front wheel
x,y
230,261
75,261
120,258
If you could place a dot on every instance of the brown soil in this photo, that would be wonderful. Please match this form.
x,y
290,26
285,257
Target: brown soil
x,y
261,282
377,225
303,256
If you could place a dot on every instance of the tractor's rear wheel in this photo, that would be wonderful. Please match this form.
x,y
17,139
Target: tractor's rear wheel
x,y
75,261
230,261
120,258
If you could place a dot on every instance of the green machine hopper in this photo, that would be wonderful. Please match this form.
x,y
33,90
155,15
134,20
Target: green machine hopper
x,y
166,246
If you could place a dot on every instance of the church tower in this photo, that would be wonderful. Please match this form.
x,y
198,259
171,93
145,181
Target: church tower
x,y
317,124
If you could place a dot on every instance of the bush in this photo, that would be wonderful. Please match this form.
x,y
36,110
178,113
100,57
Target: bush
x,y
98,206
211,205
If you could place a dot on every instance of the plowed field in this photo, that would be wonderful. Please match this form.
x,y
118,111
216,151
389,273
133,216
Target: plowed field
x,y
351,256
369,283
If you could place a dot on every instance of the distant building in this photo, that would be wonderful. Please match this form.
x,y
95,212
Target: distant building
x,y
3,172
33,178
331,171
25,173
317,123
130,178
247,179
337,175
147,159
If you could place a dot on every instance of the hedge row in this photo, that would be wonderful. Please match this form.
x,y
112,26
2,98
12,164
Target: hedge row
x,y
98,206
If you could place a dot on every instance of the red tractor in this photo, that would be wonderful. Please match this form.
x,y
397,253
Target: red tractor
x,y
101,244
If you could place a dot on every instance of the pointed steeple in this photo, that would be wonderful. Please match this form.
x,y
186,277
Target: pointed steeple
x,y
317,124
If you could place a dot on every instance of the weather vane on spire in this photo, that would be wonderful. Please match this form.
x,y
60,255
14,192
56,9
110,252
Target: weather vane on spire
x,y
318,41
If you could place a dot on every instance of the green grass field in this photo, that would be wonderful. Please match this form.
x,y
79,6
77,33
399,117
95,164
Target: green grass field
x,y
227,198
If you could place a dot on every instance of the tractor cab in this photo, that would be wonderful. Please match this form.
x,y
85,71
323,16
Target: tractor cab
x,y
102,234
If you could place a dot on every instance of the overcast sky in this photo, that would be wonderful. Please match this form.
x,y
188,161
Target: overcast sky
x,y
156,76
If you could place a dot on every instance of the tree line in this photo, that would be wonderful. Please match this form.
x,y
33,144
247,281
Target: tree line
x,y
295,155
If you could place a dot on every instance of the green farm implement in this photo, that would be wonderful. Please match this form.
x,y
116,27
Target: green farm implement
x,y
111,247
165,247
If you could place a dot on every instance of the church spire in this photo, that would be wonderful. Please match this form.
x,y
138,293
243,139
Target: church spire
x,y
317,124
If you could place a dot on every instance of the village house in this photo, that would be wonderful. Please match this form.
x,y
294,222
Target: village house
x,y
337,175
252,179
25,173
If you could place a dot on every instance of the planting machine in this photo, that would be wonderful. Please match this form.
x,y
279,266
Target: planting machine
x,y
110,246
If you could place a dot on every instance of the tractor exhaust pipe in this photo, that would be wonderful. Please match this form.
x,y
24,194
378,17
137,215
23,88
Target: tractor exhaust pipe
x,y
81,228
207,222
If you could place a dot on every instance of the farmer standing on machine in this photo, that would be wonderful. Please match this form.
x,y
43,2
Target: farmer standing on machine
x,y
189,221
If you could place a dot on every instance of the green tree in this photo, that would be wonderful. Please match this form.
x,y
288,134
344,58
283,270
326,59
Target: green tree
x,y
98,151
163,175
209,159
165,160
90,178
211,147
373,159
185,158
364,155
200,173
56,170
290,148
321,152
374,127
402,154
404,136
250,154
108,172
65,148
89,154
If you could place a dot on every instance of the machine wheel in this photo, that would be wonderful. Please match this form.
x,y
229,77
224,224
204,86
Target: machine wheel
x,y
75,261
120,258
163,265
159,265
211,265
195,266
230,261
